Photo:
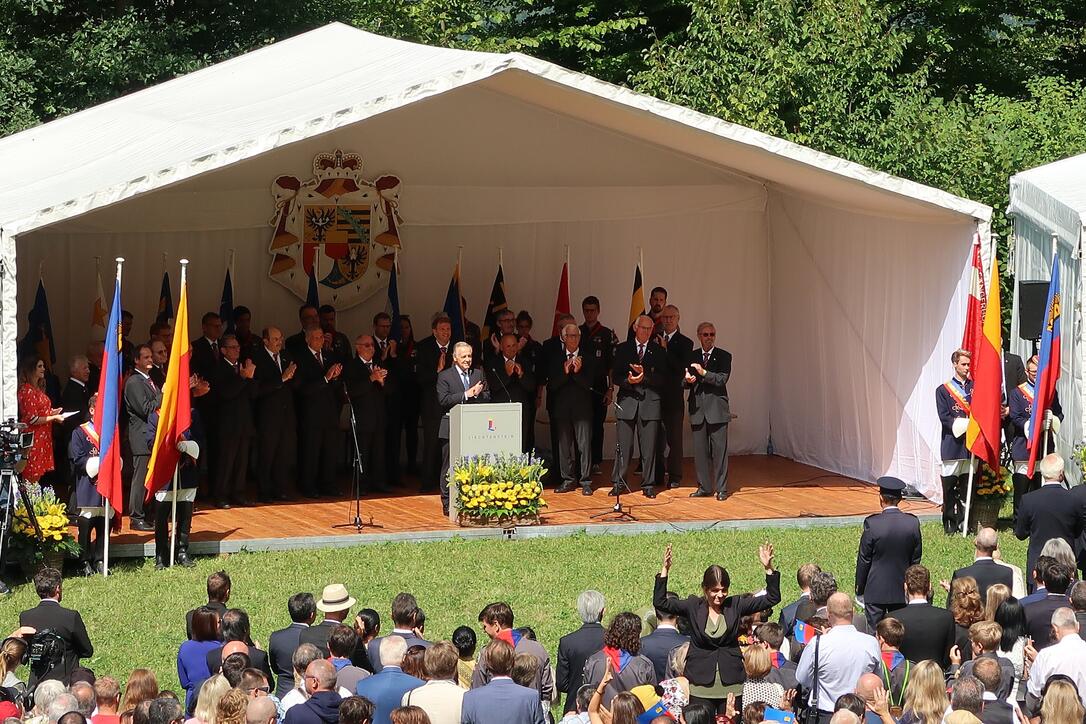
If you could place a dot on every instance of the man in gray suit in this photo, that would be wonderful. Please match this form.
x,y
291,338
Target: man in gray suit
x,y
501,701
640,367
569,394
141,398
459,384
707,377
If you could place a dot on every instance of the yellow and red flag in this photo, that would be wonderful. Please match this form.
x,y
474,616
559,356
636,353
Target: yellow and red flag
x,y
974,314
175,413
982,437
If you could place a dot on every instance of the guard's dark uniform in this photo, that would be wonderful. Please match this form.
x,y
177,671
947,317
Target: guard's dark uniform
x,y
89,504
952,400
1020,401
600,342
890,543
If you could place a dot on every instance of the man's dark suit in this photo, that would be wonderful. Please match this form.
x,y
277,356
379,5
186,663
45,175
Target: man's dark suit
x,y
368,402
276,425
987,573
533,352
258,659
569,395
929,633
141,398
997,712
710,414
318,634
573,651
76,397
658,645
889,544
234,430
517,388
451,392
1048,512
203,361
318,402
427,359
216,606
638,409
204,358
281,646
600,342
66,623
678,350
1039,618
398,370
787,616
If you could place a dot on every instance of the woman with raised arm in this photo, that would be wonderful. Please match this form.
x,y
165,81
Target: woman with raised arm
x,y
714,664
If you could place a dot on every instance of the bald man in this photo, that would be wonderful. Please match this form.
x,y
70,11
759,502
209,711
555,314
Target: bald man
x,y
984,569
322,706
276,436
844,655
260,710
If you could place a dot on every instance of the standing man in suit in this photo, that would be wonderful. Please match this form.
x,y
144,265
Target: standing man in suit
x,y
276,425
367,385
405,612
387,354
788,615
341,346
282,643
387,687
160,357
459,384
64,622
890,543
952,399
1057,580
548,350
434,357
532,351
506,323
679,348
659,644
234,428
307,317
205,350
929,630
335,603
1020,401
706,373
318,399
984,570
1051,511
640,367
575,648
501,701
601,341
141,398
571,374
512,379
75,398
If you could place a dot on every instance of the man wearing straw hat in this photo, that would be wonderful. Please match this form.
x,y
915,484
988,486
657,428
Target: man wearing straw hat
x,y
335,602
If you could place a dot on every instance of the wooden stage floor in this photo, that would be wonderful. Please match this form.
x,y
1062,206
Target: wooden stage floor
x,y
764,488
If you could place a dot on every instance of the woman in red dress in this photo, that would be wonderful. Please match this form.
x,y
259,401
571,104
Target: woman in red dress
x,y
37,412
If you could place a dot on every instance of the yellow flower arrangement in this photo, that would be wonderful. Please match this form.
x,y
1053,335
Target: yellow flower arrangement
x,y
990,485
498,487
52,516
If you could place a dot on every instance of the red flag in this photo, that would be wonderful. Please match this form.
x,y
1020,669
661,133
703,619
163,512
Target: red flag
x,y
561,306
982,437
974,315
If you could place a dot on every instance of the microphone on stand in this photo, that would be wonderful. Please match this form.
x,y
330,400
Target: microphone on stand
x,y
500,380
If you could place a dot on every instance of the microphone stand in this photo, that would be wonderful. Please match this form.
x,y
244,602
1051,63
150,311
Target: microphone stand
x,y
621,514
356,481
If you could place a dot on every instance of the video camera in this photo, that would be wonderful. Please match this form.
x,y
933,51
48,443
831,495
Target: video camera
x,y
15,443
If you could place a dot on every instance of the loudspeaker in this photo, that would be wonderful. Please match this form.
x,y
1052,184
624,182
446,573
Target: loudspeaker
x,y
1032,298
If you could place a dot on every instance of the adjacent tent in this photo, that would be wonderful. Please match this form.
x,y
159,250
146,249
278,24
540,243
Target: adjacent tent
x,y
1048,206
840,290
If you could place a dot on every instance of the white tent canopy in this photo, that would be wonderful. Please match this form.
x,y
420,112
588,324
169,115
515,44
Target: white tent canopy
x,y
1048,205
840,290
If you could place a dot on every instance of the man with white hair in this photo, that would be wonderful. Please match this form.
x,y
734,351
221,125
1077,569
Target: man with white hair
x,y
1051,511
570,374
575,648
61,705
1067,656
387,687
844,654
456,385
984,569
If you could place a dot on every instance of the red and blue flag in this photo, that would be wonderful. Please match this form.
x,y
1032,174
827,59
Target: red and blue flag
x,y
1048,366
107,411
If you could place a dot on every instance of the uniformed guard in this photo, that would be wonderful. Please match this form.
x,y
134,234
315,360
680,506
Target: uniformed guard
x,y
890,543
188,479
952,400
89,506
600,342
1020,401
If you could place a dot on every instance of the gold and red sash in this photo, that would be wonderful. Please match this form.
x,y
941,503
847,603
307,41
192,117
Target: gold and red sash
x,y
91,433
952,390
1026,392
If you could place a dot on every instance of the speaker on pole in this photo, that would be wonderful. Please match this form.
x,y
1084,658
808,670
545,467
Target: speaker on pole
x,y
1032,298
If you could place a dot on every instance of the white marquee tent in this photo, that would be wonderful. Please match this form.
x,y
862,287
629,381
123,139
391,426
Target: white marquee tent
x,y
1048,206
840,290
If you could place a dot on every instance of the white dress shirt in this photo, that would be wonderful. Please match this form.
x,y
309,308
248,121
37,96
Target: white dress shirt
x,y
1068,657
843,656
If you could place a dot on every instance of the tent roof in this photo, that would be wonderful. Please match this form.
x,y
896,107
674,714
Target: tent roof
x,y
1053,196
338,75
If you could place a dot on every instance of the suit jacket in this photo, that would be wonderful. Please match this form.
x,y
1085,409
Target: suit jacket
x,y
569,396
281,646
426,360
317,400
948,408
987,573
708,655
997,712
202,360
1048,512
450,393
66,623
678,351
367,397
1006,671
787,617
140,400
274,398
929,633
641,401
708,401
504,388
258,659
1039,618
658,645
318,634
501,702
233,401
76,396
373,648
600,343
890,543
543,684
386,689
573,651
219,608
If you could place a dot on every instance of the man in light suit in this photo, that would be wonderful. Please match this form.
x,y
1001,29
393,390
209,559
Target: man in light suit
x,y
501,701
639,369
387,687
441,697
282,643
459,384
141,398
570,376
707,373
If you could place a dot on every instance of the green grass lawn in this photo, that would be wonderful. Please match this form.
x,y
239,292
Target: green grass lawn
x,y
136,617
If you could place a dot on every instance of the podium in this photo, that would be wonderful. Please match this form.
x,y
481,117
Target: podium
x,y
479,429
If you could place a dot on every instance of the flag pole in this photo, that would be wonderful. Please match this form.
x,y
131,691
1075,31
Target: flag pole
x,y
173,516
107,507
499,256
969,492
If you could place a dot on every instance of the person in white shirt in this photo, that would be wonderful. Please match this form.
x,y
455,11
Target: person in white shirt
x,y
440,697
844,655
1067,656
304,655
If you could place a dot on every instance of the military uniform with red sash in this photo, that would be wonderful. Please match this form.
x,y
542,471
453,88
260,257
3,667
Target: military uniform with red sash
x,y
952,400
88,502
1020,401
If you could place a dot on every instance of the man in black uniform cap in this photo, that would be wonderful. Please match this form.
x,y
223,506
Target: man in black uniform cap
x,y
890,543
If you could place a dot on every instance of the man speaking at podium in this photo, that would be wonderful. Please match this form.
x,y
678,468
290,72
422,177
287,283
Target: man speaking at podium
x,y
455,385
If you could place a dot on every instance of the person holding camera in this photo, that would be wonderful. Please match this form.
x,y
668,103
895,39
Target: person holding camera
x,y
61,639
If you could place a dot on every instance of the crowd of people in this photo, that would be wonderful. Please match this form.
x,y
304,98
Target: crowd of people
x,y
1003,650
